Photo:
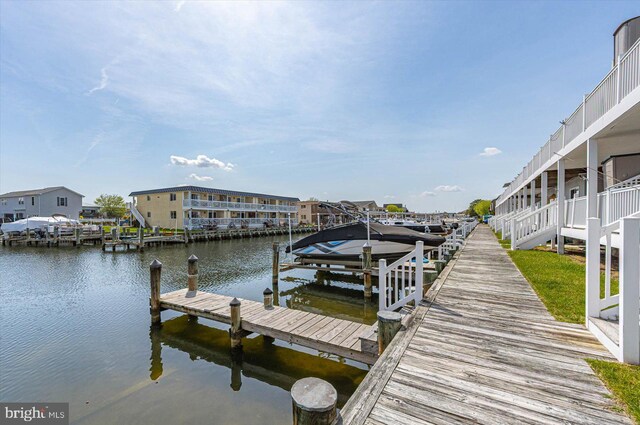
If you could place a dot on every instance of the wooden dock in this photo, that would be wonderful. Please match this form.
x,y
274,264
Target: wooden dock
x,y
344,338
484,349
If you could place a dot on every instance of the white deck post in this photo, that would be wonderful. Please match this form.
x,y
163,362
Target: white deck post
x,y
592,178
593,269
419,271
533,194
543,189
629,290
560,200
382,285
513,234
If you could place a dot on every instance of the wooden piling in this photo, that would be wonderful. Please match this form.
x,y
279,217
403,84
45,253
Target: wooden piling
x,y
389,323
141,238
366,270
268,298
78,235
439,265
275,262
155,271
314,402
192,273
236,324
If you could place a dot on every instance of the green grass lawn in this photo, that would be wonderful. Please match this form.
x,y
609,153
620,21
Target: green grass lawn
x,y
623,381
559,281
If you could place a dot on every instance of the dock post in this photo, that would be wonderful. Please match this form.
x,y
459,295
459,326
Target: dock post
x,y
141,238
366,270
78,234
275,262
268,298
314,402
389,323
155,270
439,265
236,324
192,273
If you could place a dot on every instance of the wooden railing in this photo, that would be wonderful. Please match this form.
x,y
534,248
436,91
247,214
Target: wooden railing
x,y
401,281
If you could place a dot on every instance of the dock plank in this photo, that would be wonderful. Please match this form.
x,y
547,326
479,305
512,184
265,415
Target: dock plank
x,y
484,349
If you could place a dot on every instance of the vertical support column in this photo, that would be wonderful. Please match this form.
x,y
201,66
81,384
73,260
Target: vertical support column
x,y
236,325
141,238
366,270
275,263
389,323
314,402
544,184
533,194
629,291
593,269
419,278
560,200
155,271
592,178
513,234
192,273
268,298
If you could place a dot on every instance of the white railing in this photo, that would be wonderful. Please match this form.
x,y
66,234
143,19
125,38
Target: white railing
x,y
223,223
506,224
575,212
531,225
617,202
623,306
137,215
241,206
614,87
401,281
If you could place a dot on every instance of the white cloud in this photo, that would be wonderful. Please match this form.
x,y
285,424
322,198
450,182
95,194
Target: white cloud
x,y
490,152
389,197
103,82
201,161
179,5
426,193
448,188
196,177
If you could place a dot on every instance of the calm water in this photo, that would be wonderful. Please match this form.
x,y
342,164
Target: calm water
x,y
75,328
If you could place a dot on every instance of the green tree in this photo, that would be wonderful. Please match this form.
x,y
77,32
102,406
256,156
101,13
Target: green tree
x,y
482,208
393,208
471,210
111,206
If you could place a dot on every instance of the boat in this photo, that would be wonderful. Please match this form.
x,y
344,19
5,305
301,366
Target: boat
x,y
345,242
40,223
416,226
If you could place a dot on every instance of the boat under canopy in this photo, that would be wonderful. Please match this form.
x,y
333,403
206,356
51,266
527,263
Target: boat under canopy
x,y
345,242
33,223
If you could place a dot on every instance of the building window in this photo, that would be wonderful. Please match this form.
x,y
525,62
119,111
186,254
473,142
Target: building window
x,y
173,215
210,214
303,206
210,197
3,201
148,214
20,201
194,196
33,200
62,201
172,197
148,198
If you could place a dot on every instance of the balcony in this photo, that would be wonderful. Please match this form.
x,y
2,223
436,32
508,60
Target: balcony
x,y
227,223
197,204
619,83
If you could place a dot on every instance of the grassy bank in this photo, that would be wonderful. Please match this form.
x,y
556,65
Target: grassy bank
x,y
623,381
559,281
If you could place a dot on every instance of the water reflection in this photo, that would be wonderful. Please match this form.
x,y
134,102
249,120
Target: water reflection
x,y
324,295
261,358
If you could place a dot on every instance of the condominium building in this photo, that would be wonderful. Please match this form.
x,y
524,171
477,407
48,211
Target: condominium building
x,y
198,207
40,202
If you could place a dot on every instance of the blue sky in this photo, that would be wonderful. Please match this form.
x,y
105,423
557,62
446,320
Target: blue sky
x,y
392,101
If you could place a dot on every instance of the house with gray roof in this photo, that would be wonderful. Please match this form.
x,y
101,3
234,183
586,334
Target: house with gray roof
x,y
43,202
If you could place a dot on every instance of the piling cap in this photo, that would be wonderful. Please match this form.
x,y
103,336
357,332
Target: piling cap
x,y
234,302
193,259
267,292
389,316
314,394
155,264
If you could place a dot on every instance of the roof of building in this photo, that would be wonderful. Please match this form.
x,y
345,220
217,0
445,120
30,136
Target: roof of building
x,y
363,203
211,190
36,192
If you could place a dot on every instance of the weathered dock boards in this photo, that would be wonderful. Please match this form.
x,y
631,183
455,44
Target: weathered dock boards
x,y
483,349
328,334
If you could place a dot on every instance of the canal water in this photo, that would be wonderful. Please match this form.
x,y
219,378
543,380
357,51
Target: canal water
x,y
75,327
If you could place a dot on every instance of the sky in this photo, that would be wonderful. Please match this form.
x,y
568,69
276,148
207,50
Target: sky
x,y
429,104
